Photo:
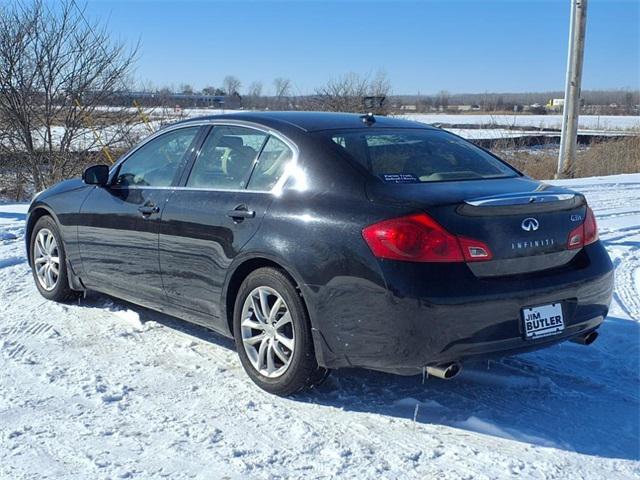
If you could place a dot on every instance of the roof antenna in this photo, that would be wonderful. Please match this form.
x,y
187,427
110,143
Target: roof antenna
x,y
368,119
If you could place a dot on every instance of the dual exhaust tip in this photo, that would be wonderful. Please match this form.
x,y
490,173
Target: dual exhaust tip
x,y
447,371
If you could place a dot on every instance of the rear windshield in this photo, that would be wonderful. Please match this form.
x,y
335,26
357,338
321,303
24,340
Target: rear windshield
x,y
415,155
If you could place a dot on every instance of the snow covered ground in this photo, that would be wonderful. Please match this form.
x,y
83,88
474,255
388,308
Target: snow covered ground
x,y
104,389
592,122
493,126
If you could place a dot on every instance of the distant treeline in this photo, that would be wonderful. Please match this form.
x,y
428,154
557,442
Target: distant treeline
x,y
622,98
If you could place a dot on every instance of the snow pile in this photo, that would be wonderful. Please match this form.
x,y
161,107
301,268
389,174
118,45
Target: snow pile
x,y
105,389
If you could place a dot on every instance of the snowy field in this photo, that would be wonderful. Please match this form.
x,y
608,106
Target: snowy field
x,y
481,127
104,389
587,122
597,123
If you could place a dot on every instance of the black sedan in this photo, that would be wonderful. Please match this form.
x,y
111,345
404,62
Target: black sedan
x,y
321,241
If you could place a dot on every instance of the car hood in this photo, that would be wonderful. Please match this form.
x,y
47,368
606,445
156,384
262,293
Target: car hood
x,y
60,187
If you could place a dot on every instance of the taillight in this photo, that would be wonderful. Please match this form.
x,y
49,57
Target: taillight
x,y
590,228
474,250
419,238
584,234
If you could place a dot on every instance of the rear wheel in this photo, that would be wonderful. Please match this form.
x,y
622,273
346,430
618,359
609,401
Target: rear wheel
x,y
273,334
48,261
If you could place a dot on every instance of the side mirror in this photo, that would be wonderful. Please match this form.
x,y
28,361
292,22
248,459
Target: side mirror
x,y
96,175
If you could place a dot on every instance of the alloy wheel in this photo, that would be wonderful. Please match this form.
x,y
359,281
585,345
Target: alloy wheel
x,y
267,331
46,259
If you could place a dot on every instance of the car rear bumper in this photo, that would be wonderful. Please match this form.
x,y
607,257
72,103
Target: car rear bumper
x,y
432,313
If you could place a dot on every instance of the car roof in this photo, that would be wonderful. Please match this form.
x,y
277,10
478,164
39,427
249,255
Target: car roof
x,y
313,121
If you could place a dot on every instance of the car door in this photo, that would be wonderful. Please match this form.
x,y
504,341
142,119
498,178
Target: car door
x,y
217,210
119,223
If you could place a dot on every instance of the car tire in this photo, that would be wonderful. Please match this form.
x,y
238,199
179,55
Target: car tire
x,y
290,370
45,247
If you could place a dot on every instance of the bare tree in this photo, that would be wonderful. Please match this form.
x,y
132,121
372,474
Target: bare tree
x,y
443,99
380,85
56,71
352,93
209,90
231,85
255,89
282,87
253,98
187,89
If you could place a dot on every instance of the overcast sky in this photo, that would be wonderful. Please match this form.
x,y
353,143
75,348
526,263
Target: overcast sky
x,y
427,46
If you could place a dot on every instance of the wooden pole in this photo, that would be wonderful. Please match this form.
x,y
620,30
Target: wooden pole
x,y
571,109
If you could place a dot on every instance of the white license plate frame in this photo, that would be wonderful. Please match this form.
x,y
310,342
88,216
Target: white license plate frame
x,y
542,320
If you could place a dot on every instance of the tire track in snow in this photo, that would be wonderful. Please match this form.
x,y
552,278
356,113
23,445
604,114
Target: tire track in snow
x,y
17,352
17,337
626,291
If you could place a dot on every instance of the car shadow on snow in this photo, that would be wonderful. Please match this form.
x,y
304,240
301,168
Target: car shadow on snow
x,y
145,315
573,397
17,216
569,396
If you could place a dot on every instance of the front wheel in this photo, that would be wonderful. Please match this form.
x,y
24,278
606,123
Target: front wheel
x,y
273,334
48,261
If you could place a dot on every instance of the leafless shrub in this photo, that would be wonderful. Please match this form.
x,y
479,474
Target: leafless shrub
x,y
348,93
607,157
620,155
539,165
56,70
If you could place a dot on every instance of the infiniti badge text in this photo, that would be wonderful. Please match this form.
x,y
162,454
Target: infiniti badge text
x,y
543,242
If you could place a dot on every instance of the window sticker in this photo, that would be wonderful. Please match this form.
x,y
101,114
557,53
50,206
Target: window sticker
x,y
399,178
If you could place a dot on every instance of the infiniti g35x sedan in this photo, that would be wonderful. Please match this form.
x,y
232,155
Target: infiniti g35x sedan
x,y
320,241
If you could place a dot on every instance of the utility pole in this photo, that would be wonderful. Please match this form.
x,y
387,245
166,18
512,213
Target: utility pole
x,y
571,109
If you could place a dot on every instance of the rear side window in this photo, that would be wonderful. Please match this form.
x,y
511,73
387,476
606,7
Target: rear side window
x,y
226,158
271,165
416,156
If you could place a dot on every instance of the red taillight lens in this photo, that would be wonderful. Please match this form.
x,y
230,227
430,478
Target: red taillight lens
x,y
419,238
590,228
585,234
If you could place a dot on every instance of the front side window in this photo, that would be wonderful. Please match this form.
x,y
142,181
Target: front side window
x,y
271,165
416,155
226,158
157,162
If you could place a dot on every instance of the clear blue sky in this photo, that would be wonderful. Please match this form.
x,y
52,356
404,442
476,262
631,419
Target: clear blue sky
x,y
427,46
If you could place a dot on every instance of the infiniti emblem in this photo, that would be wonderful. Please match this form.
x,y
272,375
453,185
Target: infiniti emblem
x,y
530,224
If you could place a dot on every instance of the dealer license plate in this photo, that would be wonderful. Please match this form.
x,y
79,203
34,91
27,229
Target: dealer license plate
x,y
542,321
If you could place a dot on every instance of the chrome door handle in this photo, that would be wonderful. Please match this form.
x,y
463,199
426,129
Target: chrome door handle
x,y
241,212
147,210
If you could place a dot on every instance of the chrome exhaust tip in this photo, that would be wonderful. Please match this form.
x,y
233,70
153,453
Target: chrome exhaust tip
x,y
446,371
586,339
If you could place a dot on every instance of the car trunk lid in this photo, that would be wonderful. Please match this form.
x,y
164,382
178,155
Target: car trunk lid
x,y
525,223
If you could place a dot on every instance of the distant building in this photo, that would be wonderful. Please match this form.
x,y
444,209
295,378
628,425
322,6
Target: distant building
x,y
409,108
555,104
